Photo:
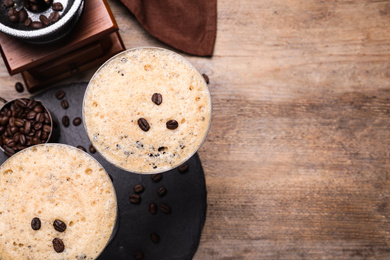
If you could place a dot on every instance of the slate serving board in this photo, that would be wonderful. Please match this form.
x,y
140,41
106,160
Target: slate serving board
x,y
179,231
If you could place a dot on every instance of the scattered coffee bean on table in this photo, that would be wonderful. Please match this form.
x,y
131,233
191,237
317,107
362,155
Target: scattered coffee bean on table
x,y
92,149
156,177
60,94
59,225
157,98
143,124
161,191
82,148
19,87
65,121
138,188
36,224
58,245
153,208
138,255
183,168
206,78
165,208
155,238
77,121
64,104
134,198
172,124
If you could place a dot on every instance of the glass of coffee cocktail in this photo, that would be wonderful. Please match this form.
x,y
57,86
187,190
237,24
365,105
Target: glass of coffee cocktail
x,y
57,202
147,110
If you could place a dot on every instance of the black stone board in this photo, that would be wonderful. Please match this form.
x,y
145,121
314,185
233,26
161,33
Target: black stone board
x,y
179,231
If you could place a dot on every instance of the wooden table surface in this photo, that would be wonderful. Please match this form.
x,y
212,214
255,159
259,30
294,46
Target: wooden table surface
x,y
297,159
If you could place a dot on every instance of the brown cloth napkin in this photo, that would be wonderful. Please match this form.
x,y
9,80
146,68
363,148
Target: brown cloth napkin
x,y
187,25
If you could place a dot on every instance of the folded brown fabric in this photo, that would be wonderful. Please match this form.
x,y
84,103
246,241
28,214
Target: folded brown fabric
x,y
187,25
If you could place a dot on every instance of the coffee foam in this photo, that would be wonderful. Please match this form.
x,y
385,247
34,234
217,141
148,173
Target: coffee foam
x,y
120,93
54,181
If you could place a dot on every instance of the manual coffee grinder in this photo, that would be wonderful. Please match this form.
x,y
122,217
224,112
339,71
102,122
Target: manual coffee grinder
x,y
84,35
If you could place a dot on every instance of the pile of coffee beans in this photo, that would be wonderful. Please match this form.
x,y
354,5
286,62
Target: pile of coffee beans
x,y
23,122
35,6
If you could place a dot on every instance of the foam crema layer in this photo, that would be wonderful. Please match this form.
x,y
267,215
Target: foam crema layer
x,y
120,94
49,182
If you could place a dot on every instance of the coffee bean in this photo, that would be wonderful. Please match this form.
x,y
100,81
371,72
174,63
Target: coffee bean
x,y
57,6
8,151
138,188
22,139
23,16
153,208
38,109
36,25
143,124
82,148
31,115
27,127
59,225
21,103
183,168
64,104
156,177
54,16
16,138
138,255
58,245
165,208
135,199
46,128
4,120
8,3
36,223
46,118
92,149
60,94
10,143
44,20
27,22
37,126
31,104
161,191
206,78
38,134
65,121
35,140
157,98
172,124
13,16
155,238
19,122
19,87
77,121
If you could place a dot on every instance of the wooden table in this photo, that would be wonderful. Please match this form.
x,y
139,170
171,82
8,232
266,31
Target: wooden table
x,y
297,159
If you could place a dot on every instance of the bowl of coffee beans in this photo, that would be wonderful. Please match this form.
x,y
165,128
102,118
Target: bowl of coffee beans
x,y
39,21
23,122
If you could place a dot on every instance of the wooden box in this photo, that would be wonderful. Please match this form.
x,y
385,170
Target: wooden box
x,y
94,40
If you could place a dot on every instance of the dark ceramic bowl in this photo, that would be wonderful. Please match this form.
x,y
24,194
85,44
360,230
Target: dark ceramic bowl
x,y
69,17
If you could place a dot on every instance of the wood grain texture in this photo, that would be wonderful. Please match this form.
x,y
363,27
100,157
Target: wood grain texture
x,y
297,159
